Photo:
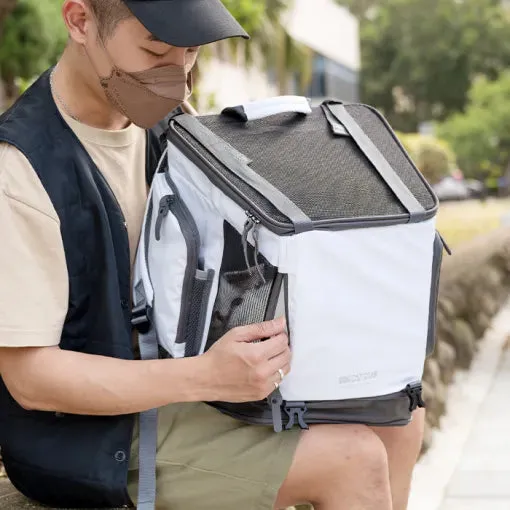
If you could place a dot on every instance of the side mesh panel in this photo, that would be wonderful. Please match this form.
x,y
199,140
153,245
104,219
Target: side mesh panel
x,y
328,177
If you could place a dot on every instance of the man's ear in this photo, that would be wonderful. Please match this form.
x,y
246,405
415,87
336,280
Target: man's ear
x,y
78,19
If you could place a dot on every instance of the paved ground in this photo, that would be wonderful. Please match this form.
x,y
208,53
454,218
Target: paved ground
x,y
468,467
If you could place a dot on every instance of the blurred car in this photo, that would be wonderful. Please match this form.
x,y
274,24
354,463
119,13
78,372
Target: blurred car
x,y
452,188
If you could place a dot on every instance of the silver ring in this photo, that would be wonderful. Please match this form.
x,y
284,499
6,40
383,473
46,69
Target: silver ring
x,y
282,374
276,385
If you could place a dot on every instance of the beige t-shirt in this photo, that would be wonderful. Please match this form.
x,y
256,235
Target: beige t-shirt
x,y
33,272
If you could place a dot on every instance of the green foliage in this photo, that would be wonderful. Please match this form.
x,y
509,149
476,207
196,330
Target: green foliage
x,y
263,20
420,57
250,13
481,135
433,157
33,37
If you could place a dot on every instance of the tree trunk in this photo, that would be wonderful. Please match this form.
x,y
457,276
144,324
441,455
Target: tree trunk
x,y
6,7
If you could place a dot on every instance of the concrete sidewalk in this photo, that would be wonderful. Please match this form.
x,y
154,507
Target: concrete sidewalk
x,y
468,466
482,477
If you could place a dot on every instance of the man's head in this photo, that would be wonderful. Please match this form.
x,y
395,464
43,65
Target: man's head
x,y
132,30
143,50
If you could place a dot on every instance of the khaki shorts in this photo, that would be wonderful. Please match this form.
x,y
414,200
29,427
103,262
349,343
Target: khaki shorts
x,y
209,461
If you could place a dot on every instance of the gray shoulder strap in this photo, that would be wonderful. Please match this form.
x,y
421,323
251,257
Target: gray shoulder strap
x,y
148,430
401,191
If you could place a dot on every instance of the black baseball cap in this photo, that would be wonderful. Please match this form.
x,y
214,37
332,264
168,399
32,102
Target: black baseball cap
x,y
186,23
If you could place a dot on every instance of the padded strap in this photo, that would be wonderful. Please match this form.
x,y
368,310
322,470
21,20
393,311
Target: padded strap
x,y
148,439
401,191
238,163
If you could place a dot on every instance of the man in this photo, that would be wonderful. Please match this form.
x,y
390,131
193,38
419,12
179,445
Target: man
x,y
74,160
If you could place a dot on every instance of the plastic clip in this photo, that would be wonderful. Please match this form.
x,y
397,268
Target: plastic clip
x,y
414,392
140,319
296,412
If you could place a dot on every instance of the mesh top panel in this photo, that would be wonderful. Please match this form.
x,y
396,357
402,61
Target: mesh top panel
x,y
327,176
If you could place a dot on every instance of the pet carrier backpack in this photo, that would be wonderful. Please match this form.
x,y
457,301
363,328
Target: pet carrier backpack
x,y
277,208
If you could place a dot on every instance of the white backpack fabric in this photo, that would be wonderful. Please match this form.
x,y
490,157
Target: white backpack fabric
x,y
276,208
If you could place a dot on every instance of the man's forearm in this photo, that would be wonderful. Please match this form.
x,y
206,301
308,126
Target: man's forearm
x,y
50,379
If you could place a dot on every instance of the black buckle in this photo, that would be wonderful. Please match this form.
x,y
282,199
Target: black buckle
x,y
140,319
296,412
414,392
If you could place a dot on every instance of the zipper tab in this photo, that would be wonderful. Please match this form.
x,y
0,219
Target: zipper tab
x,y
446,247
165,205
252,225
248,227
256,240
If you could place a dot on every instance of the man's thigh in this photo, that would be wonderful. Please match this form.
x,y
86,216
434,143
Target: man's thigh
x,y
207,460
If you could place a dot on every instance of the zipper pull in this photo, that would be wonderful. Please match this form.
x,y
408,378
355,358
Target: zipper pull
x,y
164,208
248,227
256,240
446,247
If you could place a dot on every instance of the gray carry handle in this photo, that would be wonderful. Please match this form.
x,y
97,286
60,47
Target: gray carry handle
x,y
339,118
268,107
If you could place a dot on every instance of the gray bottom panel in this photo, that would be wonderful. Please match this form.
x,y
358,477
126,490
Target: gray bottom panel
x,y
387,410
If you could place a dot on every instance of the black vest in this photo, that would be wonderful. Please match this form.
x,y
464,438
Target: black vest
x,y
63,460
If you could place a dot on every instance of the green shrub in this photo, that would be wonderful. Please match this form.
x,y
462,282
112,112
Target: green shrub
x,y
432,156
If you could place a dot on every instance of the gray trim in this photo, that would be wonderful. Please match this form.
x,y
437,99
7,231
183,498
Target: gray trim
x,y
191,236
203,280
337,128
238,164
434,292
407,199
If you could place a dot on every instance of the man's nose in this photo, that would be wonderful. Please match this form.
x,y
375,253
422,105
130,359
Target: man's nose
x,y
178,56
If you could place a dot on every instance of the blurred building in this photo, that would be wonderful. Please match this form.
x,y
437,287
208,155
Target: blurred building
x,y
329,31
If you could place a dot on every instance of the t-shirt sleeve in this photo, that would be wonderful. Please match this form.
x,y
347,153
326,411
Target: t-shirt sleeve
x,y
33,272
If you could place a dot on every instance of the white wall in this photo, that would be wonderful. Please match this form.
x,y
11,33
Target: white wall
x,y
231,84
328,29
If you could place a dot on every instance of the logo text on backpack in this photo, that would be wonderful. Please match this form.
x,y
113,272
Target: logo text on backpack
x,y
357,378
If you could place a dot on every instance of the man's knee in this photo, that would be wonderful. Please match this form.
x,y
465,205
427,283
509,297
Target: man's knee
x,y
353,455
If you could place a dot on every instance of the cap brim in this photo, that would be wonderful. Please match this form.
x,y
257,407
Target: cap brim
x,y
186,23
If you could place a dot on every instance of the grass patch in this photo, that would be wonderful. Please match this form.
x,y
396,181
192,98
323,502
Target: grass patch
x,y
459,222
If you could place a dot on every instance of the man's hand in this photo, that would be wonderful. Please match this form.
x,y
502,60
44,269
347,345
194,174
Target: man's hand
x,y
243,371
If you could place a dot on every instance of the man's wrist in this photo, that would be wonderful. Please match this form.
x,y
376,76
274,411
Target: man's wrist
x,y
196,381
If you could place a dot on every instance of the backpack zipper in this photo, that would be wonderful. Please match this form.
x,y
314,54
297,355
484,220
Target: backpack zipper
x,y
165,204
252,225
173,203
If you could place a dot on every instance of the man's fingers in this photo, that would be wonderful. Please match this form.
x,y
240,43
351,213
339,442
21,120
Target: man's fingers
x,y
260,331
274,346
279,362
